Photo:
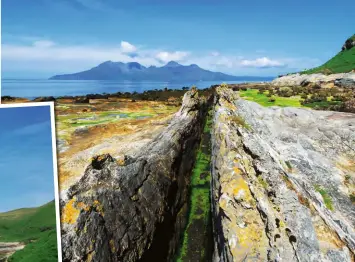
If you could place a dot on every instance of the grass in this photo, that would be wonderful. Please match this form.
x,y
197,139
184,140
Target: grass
x,y
326,198
293,101
36,227
199,205
342,62
322,104
43,250
262,99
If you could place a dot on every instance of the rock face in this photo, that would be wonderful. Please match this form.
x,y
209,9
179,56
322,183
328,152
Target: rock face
x,y
349,43
346,80
282,181
134,209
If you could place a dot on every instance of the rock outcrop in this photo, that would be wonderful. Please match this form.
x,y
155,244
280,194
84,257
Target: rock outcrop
x,y
9,248
282,181
134,209
349,43
346,80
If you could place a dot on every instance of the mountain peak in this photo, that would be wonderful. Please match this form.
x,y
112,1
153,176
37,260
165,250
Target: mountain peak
x,y
135,65
172,64
194,66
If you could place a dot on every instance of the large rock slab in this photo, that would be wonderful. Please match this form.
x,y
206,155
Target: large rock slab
x,y
281,182
134,209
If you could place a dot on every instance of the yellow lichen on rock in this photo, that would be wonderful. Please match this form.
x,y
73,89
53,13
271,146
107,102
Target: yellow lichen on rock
x,y
70,213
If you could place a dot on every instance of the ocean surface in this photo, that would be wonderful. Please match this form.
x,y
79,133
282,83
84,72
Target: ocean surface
x,y
32,88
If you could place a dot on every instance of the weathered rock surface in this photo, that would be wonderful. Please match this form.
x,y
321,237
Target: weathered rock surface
x,y
346,80
9,248
134,209
281,182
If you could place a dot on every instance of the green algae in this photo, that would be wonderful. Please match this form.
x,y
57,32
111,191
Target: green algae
x,y
194,245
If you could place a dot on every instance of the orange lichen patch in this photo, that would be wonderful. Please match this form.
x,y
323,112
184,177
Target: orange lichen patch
x,y
303,200
70,213
98,207
288,182
83,206
327,237
120,161
237,171
118,131
346,165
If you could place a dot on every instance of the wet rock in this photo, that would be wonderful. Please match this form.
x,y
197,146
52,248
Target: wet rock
x,y
277,182
134,210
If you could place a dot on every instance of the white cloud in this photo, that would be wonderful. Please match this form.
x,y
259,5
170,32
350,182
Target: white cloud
x,y
262,62
43,43
171,56
127,47
41,55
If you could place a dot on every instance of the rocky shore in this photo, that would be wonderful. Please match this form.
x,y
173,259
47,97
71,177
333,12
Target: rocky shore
x,y
282,181
282,188
345,80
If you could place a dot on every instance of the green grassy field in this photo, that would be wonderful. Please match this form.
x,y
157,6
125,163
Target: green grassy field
x,y
262,99
342,62
36,227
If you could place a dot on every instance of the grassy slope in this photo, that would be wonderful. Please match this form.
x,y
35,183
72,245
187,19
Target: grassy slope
x,y
343,62
38,224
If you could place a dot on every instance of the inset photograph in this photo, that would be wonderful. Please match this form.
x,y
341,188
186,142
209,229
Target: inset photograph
x,y
29,207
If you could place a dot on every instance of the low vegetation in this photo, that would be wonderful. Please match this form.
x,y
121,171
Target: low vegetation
x,y
326,198
194,245
314,97
36,228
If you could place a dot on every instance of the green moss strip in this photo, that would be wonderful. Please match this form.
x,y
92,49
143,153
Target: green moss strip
x,y
194,241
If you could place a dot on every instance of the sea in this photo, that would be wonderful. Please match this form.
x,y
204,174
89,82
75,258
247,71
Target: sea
x,y
32,88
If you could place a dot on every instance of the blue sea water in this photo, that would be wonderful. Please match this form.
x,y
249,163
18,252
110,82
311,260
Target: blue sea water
x,y
32,88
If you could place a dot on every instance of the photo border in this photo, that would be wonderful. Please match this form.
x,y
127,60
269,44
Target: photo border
x,y
55,164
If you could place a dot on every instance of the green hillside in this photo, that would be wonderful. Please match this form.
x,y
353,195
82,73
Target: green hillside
x,y
342,62
36,227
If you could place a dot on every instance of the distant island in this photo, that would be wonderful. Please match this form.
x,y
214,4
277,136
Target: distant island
x,y
134,71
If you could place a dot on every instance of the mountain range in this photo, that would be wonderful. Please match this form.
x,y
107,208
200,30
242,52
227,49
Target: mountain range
x,y
134,71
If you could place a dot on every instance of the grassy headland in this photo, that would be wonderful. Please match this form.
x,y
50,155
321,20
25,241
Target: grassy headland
x,y
36,228
342,62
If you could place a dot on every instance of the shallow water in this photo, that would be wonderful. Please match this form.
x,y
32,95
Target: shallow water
x,y
31,88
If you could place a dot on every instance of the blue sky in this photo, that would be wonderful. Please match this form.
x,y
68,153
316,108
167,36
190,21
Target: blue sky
x,y
45,37
26,161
